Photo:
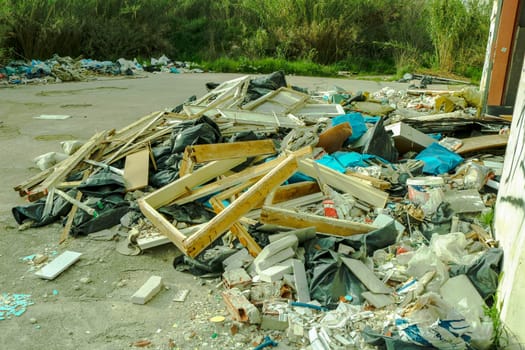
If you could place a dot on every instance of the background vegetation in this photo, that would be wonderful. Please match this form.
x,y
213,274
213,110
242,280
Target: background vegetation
x,y
363,36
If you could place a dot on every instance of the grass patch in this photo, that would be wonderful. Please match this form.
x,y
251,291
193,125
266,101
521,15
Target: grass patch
x,y
269,65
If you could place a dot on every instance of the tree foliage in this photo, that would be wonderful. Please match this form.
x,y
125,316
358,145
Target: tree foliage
x,y
446,34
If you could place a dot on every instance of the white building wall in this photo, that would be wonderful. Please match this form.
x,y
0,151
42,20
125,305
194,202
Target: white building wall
x,y
509,223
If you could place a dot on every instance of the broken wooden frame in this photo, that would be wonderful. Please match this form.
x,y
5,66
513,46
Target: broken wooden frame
x,y
227,217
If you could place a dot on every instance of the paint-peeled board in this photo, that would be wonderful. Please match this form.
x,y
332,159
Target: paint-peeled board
x,y
58,265
136,170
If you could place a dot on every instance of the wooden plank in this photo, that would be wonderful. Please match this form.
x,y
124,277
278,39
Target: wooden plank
x,y
162,224
296,190
130,141
62,170
232,180
242,205
238,230
370,180
344,183
23,188
136,170
325,225
186,165
185,184
72,212
217,151
479,143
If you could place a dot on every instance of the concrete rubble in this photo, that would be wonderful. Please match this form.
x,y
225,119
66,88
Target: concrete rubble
x,y
355,224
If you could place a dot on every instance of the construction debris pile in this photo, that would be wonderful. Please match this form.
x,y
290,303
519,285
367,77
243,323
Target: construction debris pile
x,y
61,69
336,219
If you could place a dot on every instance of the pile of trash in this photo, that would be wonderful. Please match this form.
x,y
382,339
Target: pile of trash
x,y
339,219
62,69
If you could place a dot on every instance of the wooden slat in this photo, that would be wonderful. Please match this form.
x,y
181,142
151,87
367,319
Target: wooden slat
x,y
185,184
343,182
238,230
229,181
242,205
63,169
217,151
370,180
288,192
479,143
326,225
162,224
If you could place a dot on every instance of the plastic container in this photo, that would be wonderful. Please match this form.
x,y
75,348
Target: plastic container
x,y
421,188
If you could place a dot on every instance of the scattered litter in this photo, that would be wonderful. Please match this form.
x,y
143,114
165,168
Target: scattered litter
x,y
13,305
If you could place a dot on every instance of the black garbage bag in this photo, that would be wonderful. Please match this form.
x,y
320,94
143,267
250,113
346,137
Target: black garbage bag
x,y
208,262
331,279
163,177
259,87
381,143
483,273
103,183
34,211
198,132
109,210
192,213
368,243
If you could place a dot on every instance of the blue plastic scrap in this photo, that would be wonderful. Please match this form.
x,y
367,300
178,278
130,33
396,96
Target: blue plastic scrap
x,y
267,341
13,305
356,121
340,161
438,159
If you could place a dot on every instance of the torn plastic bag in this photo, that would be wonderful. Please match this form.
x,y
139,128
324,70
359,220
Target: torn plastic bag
x,y
433,322
438,159
392,342
330,279
201,131
191,213
109,211
381,143
207,262
357,122
483,273
451,248
425,260
34,211
102,184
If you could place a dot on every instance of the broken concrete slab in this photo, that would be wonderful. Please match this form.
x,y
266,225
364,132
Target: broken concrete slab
x,y
236,278
58,265
148,290
378,300
276,272
276,247
366,276
263,264
301,282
